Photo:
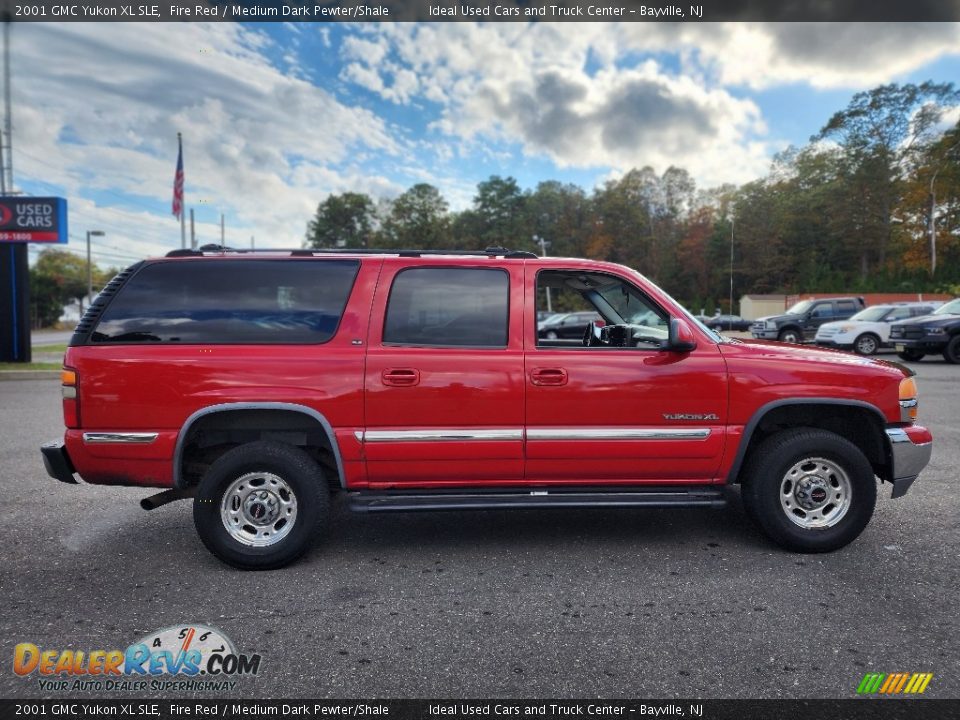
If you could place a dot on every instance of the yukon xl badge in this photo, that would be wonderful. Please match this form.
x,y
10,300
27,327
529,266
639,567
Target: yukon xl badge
x,y
690,416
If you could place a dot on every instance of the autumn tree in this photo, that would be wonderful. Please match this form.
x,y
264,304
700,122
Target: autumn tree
x,y
346,220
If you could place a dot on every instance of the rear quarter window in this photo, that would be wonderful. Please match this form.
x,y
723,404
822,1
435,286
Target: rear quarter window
x,y
230,301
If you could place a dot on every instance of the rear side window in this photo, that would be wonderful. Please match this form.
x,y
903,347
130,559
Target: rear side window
x,y
448,307
230,301
847,307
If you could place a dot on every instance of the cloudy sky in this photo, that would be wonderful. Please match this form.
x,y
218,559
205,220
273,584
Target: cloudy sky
x,y
277,116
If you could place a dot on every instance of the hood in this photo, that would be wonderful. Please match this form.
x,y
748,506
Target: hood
x,y
930,320
812,353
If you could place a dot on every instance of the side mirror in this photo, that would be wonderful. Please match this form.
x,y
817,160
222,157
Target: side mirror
x,y
680,337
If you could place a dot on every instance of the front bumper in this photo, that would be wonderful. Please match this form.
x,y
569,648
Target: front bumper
x,y
910,450
833,344
57,462
927,344
764,334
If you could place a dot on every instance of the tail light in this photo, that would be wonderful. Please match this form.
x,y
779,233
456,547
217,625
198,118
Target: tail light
x,y
909,404
69,383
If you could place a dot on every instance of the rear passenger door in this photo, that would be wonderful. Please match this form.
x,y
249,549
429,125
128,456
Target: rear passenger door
x,y
444,375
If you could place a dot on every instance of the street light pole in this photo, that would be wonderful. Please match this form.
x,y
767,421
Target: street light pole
x,y
91,233
731,273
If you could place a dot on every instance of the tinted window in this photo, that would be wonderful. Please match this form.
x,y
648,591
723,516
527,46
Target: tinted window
x,y
846,307
899,314
448,307
230,301
822,311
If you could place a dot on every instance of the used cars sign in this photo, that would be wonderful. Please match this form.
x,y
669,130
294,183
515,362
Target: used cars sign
x,y
33,219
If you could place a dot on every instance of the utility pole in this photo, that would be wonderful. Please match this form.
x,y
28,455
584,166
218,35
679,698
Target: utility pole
x,y
90,233
543,253
732,219
193,235
223,242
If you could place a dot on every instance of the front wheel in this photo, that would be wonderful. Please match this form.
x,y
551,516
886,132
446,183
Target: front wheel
x,y
951,353
809,490
260,505
790,336
911,355
867,344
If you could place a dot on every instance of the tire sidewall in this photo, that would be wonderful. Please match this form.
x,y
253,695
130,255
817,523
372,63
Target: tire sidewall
x,y
790,336
765,475
866,336
951,353
296,468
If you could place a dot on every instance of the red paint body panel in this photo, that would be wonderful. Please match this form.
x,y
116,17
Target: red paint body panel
x,y
359,384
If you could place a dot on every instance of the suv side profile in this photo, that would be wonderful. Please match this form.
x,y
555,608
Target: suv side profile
x,y
260,384
800,322
868,330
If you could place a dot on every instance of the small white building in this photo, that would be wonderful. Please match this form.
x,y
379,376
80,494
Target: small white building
x,y
756,306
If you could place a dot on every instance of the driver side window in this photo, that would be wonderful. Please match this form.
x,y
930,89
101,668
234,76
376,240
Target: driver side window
x,y
596,310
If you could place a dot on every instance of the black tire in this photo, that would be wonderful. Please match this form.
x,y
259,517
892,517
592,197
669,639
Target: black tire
x,y
291,471
911,355
866,344
951,353
790,335
766,485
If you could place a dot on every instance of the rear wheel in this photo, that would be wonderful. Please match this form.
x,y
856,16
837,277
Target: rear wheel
x,y
951,353
260,505
866,344
910,355
809,490
790,335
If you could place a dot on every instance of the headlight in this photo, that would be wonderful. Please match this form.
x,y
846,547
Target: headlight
x,y
770,325
936,331
846,328
909,404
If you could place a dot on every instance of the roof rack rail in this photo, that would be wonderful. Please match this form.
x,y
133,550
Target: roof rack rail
x,y
310,252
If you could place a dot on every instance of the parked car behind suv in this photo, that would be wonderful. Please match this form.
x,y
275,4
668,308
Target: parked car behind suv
x,y
868,330
567,326
728,322
937,332
799,324
258,383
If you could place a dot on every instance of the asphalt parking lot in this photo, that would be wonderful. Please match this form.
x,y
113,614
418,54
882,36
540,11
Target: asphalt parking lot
x,y
644,604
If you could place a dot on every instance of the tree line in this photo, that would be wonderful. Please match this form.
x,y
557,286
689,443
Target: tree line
x,y
851,211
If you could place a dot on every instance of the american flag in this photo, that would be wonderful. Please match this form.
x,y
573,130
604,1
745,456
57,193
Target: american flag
x,y
178,182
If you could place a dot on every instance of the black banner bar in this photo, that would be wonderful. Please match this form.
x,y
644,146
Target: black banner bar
x,y
484,10
225,709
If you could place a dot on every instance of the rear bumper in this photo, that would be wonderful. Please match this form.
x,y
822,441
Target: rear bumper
x,y
57,462
910,450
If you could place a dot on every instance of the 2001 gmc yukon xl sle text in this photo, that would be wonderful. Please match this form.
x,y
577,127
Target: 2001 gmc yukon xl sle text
x,y
258,383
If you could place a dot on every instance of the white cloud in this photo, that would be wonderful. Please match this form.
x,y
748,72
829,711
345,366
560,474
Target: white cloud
x,y
104,113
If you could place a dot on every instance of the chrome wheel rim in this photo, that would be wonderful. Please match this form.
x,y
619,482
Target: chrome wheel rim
x,y
259,509
790,337
867,345
815,493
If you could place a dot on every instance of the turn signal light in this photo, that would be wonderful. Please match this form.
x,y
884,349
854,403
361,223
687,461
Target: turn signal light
x,y
909,404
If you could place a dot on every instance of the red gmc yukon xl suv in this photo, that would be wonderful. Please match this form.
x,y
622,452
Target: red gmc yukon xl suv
x,y
258,383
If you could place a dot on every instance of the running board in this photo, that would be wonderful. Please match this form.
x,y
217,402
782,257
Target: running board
x,y
712,497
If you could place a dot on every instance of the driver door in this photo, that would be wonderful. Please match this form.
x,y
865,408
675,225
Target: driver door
x,y
601,414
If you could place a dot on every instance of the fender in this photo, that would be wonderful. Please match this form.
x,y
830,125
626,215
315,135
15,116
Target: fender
x,y
226,407
759,414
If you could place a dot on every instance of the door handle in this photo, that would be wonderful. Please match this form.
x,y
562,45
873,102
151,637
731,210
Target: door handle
x,y
548,376
400,377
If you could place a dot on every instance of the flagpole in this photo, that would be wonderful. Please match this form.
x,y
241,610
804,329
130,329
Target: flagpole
x,y
183,218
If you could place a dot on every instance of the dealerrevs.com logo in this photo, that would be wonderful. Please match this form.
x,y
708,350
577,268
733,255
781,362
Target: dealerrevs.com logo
x,y
187,657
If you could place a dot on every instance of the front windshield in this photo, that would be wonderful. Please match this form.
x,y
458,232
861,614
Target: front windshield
x,y
800,307
951,308
871,314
